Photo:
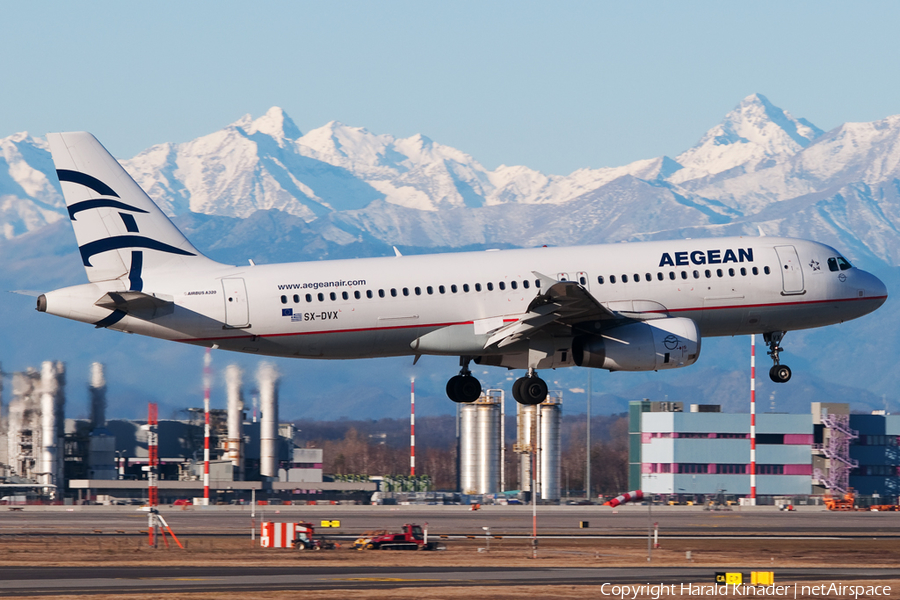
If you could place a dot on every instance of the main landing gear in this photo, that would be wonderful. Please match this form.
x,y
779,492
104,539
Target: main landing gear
x,y
779,373
464,387
530,390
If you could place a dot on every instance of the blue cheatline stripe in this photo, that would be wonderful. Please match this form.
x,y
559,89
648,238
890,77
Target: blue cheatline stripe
x,y
130,223
101,203
113,318
126,241
134,275
86,180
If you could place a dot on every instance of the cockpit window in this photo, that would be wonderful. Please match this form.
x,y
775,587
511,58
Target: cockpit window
x,y
839,263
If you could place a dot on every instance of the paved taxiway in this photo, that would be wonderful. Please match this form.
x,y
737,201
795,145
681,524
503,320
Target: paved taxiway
x,y
107,580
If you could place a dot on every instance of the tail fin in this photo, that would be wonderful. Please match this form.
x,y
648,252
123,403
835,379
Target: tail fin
x,y
121,232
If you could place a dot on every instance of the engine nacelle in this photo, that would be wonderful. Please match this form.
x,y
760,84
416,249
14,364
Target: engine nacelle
x,y
646,346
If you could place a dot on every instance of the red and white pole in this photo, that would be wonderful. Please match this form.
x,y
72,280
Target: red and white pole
x,y
753,418
207,382
152,463
412,427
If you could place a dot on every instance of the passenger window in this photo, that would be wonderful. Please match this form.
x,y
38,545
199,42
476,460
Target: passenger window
x,y
466,287
708,273
418,291
512,284
356,294
406,291
453,288
393,292
600,279
525,284
369,294
672,275
284,299
755,271
743,271
659,275
731,272
345,295
333,296
612,278
490,286
696,274
637,278
501,285
441,289
648,277
429,290
624,278
321,297
766,270
684,274
381,293
537,283
296,298
719,273
478,287
309,297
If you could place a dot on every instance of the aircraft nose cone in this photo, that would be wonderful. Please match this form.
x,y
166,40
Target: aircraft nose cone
x,y
877,289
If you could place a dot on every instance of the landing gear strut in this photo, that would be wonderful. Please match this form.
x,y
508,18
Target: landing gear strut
x,y
779,373
530,390
463,387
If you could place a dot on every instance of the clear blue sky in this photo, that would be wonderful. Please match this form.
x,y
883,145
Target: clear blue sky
x,y
555,86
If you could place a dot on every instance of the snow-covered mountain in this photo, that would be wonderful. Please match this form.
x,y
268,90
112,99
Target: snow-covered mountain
x,y
262,189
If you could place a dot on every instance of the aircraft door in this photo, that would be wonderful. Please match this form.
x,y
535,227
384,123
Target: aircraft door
x,y
584,280
791,272
237,309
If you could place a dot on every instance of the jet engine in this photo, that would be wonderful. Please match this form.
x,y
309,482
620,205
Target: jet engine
x,y
666,343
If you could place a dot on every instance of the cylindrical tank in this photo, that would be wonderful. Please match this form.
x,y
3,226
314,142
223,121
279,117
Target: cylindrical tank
x,y
488,435
551,414
233,375
48,455
524,436
468,449
267,378
98,396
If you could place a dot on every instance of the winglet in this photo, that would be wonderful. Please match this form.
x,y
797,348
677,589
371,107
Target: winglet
x,y
396,252
761,232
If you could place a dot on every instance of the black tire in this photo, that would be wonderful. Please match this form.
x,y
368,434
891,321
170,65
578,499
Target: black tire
x,y
533,391
468,389
517,390
299,545
452,386
780,373
463,388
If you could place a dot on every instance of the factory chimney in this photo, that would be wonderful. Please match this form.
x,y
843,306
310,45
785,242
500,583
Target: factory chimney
x,y
233,381
49,456
267,378
97,391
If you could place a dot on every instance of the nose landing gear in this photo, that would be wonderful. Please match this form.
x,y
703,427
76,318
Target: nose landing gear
x,y
779,373
464,387
530,390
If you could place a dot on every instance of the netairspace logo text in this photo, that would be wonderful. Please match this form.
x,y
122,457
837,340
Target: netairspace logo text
x,y
795,590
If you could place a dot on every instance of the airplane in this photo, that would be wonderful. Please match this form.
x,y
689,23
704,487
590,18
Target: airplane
x,y
640,306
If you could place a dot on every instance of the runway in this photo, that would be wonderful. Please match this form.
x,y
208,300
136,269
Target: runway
x,y
459,520
143,580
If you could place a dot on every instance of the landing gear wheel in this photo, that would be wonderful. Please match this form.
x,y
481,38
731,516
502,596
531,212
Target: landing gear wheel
x,y
780,373
530,390
463,388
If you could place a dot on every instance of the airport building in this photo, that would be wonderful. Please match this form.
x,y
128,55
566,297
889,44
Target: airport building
x,y
705,452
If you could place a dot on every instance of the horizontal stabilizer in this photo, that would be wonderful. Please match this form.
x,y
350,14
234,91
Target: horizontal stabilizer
x,y
131,302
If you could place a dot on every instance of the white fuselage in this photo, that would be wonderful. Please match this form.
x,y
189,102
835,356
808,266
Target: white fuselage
x,y
379,306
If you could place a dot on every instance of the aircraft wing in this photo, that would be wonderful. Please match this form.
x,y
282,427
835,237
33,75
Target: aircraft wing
x,y
562,303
